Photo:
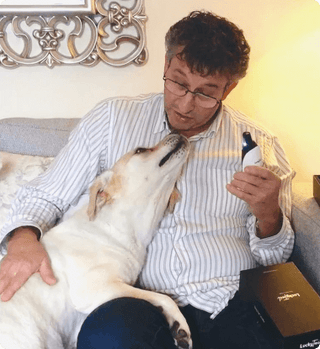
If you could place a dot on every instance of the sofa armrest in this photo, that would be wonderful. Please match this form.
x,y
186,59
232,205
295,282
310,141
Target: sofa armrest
x,y
306,224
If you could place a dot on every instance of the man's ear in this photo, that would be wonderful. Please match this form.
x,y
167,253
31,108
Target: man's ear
x,y
166,64
229,88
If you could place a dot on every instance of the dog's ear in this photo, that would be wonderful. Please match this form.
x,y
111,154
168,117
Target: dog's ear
x,y
98,195
174,198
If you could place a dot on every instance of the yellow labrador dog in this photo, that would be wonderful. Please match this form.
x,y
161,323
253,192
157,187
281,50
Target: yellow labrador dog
x,y
98,253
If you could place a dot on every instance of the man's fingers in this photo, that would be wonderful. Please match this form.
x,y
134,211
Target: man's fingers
x,y
256,178
25,257
240,193
9,292
248,178
3,285
246,187
5,280
257,171
46,272
12,285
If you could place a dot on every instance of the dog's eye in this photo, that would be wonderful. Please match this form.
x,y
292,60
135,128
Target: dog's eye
x,y
140,150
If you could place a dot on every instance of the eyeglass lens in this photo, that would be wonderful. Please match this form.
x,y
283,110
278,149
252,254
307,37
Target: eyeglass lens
x,y
180,90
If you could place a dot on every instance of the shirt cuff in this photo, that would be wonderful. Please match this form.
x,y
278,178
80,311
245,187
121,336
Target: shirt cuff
x,y
279,239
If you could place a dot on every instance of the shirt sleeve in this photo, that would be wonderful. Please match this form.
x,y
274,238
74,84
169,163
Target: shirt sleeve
x,y
278,248
43,201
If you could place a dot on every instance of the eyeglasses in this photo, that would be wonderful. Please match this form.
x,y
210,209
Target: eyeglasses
x,y
180,90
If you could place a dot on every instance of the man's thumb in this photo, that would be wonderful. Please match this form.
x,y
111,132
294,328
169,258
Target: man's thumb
x,y
46,273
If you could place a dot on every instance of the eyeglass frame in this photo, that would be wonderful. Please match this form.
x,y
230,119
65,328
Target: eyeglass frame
x,y
186,90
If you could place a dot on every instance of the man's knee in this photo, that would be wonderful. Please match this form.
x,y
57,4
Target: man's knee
x,y
125,323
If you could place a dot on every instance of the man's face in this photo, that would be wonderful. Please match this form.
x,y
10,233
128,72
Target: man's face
x,y
183,113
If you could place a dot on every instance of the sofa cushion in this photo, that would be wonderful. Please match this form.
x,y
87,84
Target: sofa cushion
x,y
40,137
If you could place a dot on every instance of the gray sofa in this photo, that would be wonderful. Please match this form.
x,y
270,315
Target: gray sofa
x,y
45,137
306,224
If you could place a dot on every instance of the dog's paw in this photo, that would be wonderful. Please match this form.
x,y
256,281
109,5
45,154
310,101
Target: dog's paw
x,y
181,337
177,323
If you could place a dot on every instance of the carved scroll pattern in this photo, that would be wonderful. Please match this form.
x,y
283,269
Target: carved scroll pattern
x,y
114,35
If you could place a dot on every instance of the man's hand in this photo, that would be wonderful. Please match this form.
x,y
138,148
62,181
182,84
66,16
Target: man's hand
x,y
260,188
26,256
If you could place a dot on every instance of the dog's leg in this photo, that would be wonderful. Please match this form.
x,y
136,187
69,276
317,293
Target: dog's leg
x,y
178,324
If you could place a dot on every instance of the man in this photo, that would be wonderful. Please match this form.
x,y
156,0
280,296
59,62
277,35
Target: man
x,y
228,220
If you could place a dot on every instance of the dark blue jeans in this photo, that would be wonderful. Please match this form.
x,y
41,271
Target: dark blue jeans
x,y
128,323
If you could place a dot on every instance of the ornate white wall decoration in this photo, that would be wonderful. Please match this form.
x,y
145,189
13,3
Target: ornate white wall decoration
x,y
102,30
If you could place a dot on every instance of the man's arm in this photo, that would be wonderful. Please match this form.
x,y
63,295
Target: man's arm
x,y
269,199
268,191
25,256
44,200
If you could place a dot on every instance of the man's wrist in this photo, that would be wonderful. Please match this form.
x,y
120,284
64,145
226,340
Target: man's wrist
x,y
24,231
266,229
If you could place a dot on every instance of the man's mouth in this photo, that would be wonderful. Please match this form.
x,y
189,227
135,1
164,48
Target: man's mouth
x,y
182,117
178,146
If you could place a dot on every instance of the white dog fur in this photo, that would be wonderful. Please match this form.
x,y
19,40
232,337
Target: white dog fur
x,y
97,255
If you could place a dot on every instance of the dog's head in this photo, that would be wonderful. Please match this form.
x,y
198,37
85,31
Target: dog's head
x,y
142,182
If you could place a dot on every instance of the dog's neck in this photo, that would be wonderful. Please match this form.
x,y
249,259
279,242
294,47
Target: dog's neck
x,y
139,219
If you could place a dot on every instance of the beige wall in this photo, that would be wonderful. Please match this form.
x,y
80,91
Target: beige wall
x,y
281,89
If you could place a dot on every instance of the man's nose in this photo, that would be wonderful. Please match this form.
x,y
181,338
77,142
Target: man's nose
x,y
186,103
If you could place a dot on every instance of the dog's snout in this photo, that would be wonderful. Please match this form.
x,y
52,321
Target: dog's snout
x,y
177,143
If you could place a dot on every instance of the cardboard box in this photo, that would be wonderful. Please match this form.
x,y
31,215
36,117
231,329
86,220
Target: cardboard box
x,y
286,304
316,188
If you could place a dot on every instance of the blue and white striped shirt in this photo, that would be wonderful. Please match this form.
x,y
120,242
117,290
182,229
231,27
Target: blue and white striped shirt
x,y
199,250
